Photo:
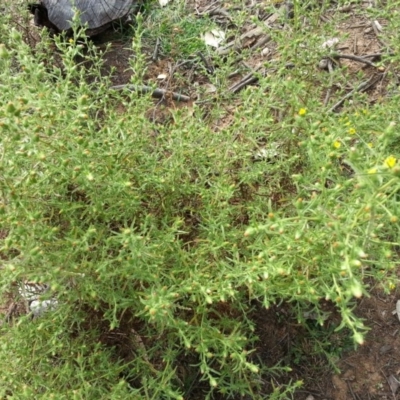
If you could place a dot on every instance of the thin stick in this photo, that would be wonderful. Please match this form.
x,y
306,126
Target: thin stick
x,y
251,78
351,390
361,88
387,380
220,11
327,96
10,311
246,80
377,34
156,50
354,58
157,93
262,41
376,55
210,69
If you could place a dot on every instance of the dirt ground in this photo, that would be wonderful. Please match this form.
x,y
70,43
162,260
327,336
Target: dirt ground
x,y
373,370
370,372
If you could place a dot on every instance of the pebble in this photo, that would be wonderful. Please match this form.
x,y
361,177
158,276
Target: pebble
x,y
323,64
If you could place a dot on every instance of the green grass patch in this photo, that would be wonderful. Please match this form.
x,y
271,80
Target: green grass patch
x,y
159,241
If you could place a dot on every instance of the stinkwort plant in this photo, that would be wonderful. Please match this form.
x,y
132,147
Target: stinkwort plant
x,y
343,225
127,232
159,240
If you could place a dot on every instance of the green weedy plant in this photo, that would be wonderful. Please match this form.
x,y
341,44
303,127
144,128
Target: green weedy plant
x,y
106,214
342,227
157,241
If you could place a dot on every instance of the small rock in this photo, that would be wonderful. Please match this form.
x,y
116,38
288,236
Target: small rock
x,y
267,153
209,88
345,8
378,26
214,38
330,43
265,52
39,307
323,64
385,349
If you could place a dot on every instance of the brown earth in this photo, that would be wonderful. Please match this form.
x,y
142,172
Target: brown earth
x,y
369,372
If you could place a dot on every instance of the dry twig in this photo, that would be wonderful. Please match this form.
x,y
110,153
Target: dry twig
x,y
247,80
354,58
361,88
156,50
156,93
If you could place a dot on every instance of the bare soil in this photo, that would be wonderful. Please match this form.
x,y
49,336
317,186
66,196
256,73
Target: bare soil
x,y
371,372
368,372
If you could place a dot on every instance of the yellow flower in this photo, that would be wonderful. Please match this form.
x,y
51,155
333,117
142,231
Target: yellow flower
x,y
71,40
372,171
302,111
336,144
390,162
370,145
352,131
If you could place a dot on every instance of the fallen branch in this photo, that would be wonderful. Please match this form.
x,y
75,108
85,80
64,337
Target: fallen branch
x,y
361,88
246,80
156,50
378,55
209,68
257,35
354,58
252,77
220,11
11,310
156,93
243,83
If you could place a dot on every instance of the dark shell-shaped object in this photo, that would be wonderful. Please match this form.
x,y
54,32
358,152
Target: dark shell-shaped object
x,y
97,14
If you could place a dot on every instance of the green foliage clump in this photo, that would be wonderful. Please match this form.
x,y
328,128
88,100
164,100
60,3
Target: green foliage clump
x,y
158,241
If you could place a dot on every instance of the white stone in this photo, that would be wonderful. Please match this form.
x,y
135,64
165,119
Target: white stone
x,y
39,307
